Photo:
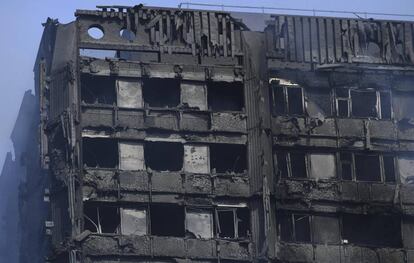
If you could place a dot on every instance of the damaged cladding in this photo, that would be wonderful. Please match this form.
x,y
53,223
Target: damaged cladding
x,y
174,135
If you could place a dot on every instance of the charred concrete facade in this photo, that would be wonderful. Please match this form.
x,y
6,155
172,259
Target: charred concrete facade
x,y
184,136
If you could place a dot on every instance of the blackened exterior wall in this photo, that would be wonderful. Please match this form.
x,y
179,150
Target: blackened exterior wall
x,y
184,136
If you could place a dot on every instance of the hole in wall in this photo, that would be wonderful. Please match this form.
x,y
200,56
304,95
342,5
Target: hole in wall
x,y
127,34
97,89
167,220
164,156
96,32
101,153
161,93
228,158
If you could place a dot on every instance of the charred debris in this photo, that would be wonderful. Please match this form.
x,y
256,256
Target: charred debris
x,y
170,135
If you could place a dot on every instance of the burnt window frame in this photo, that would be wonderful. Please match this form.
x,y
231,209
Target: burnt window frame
x,y
142,80
286,111
98,206
214,84
234,210
287,154
378,104
339,216
86,78
342,238
380,156
292,228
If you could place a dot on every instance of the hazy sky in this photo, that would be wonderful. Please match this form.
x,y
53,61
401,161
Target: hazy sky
x,y
21,32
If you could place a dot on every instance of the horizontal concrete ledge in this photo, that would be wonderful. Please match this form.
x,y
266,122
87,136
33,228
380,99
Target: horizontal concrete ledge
x,y
107,245
98,182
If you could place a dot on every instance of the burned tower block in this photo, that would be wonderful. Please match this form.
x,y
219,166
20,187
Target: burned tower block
x,y
175,135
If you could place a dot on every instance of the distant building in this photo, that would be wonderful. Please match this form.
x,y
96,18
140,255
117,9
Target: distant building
x,y
171,135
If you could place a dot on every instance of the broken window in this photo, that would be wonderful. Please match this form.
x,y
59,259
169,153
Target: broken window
x,y
298,165
99,152
196,159
325,229
385,102
164,156
287,100
294,227
406,169
161,93
226,158
367,168
322,166
364,103
295,101
318,103
98,89
194,95
233,222
199,223
133,221
225,96
129,93
131,156
372,230
279,100
346,166
389,169
167,220
282,164
101,218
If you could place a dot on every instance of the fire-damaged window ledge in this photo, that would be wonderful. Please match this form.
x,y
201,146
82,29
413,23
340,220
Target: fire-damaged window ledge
x,y
154,246
340,128
296,252
173,119
101,182
342,191
137,69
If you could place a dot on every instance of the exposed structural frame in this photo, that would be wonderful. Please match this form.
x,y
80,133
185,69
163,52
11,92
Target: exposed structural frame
x,y
182,136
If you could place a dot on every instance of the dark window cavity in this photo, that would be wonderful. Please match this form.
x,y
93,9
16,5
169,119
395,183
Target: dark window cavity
x,y
385,99
364,104
319,102
295,101
101,218
367,168
98,89
228,158
346,166
282,164
298,165
294,227
225,96
287,100
389,169
372,230
167,220
161,93
342,102
101,153
279,101
233,223
164,156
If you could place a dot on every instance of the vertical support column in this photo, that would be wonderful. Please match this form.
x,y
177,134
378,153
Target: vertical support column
x,y
259,142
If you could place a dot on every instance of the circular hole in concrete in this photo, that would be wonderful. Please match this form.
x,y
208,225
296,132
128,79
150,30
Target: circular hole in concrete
x,y
95,32
127,34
